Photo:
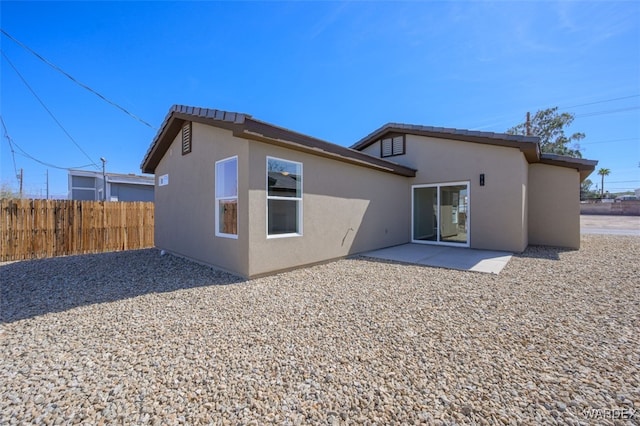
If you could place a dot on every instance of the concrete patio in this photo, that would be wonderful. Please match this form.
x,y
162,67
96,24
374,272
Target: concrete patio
x,y
465,259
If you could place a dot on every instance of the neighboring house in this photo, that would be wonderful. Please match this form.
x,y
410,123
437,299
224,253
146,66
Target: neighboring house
x,y
88,186
254,198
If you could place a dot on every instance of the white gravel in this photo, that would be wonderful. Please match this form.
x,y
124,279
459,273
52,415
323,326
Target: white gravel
x,y
136,337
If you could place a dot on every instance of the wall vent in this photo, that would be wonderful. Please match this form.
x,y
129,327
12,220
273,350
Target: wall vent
x,y
186,138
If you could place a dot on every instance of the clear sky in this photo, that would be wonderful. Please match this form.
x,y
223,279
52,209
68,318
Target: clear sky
x,y
333,70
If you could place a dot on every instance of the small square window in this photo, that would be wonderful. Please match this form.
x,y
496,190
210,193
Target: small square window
x,y
392,146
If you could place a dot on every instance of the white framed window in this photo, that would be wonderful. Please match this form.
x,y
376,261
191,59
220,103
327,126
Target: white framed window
x,y
284,198
163,180
227,197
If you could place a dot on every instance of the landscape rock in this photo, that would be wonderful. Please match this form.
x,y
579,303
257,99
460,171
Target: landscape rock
x,y
135,337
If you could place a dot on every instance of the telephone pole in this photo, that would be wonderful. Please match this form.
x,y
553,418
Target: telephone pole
x,y
21,178
528,124
47,184
104,180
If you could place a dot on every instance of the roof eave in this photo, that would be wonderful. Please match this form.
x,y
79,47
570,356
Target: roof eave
x,y
584,166
244,126
527,144
363,159
173,122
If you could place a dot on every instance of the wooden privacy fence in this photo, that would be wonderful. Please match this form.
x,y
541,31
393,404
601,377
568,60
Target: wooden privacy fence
x,y
45,228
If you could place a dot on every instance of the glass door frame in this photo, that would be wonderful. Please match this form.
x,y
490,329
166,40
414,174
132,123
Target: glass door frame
x,y
468,214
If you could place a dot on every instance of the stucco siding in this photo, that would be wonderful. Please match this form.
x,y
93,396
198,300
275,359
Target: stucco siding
x,y
347,209
497,210
373,149
185,208
554,206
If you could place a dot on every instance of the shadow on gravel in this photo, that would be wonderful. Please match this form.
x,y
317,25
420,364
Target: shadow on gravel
x,y
37,287
542,252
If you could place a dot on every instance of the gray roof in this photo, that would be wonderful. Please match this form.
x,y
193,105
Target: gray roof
x,y
584,166
246,127
129,178
527,144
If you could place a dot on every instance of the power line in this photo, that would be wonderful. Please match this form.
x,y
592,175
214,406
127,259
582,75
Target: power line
x,y
602,101
13,153
70,77
609,141
48,110
500,119
44,163
27,155
611,111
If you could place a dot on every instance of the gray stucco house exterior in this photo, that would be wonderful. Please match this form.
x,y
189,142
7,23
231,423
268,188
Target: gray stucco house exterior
x,y
253,198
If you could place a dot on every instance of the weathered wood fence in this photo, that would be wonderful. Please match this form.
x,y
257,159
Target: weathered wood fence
x,y
45,228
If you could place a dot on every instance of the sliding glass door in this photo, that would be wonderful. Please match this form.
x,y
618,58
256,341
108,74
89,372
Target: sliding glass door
x,y
441,214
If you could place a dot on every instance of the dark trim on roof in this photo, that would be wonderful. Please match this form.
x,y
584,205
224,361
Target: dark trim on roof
x,y
259,130
527,144
246,127
584,166
172,124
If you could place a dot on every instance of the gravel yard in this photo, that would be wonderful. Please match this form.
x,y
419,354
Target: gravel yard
x,y
136,337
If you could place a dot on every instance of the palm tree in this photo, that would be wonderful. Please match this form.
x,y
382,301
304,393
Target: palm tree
x,y
603,172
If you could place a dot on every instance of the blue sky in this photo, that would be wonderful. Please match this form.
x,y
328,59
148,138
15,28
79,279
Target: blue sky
x,y
333,70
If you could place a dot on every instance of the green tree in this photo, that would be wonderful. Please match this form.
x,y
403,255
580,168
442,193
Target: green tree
x,y
7,192
549,125
585,189
603,172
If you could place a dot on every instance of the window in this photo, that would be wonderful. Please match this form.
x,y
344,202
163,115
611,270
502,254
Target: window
x,y
163,180
227,198
392,146
186,138
284,198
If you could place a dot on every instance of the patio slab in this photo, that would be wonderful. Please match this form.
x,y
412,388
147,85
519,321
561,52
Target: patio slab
x,y
464,259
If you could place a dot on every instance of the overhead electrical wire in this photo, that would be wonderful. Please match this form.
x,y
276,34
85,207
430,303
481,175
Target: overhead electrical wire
x,y
24,153
611,111
70,77
610,141
602,101
48,110
586,114
13,153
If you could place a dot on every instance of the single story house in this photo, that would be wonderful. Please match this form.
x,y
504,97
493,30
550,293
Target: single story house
x,y
253,198
87,185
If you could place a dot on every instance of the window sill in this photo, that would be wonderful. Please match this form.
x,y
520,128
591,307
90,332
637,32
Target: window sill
x,y
275,236
230,236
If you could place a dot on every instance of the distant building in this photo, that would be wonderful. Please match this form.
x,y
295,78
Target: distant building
x,y
88,186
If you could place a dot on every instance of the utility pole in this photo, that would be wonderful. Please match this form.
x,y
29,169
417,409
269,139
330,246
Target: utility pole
x,y
104,180
47,184
528,124
21,178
